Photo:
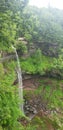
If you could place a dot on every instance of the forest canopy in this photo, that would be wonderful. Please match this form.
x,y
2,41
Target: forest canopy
x,y
19,20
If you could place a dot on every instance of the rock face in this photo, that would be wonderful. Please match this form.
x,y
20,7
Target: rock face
x,y
55,73
50,49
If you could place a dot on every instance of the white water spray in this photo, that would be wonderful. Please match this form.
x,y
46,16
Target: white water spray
x,y
19,72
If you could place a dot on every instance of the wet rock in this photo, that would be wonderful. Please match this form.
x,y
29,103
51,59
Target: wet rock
x,y
35,111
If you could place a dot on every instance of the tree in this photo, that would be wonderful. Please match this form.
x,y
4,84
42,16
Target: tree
x,y
8,19
7,31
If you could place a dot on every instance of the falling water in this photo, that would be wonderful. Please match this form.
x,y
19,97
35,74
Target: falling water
x,y
19,72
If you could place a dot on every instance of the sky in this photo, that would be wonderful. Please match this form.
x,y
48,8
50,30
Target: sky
x,y
46,3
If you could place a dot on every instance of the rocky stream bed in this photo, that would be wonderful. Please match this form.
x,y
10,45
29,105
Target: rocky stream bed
x,y
35,106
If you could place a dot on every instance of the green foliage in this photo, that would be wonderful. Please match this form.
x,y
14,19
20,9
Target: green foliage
x,y
1,71
9,103
8,19
40,123
37,63
43,24
7,32
31,127
21,47
58,62
56,99
9,100
28,36
32,23
9,110
28,66
58,121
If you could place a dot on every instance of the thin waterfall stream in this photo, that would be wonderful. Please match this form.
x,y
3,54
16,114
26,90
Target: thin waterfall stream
x,y
19,72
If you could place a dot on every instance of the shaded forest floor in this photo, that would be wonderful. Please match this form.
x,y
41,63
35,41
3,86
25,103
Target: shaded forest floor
x,y
43,102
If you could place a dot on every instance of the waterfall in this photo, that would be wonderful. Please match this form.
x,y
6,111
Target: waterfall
x,y
19,72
